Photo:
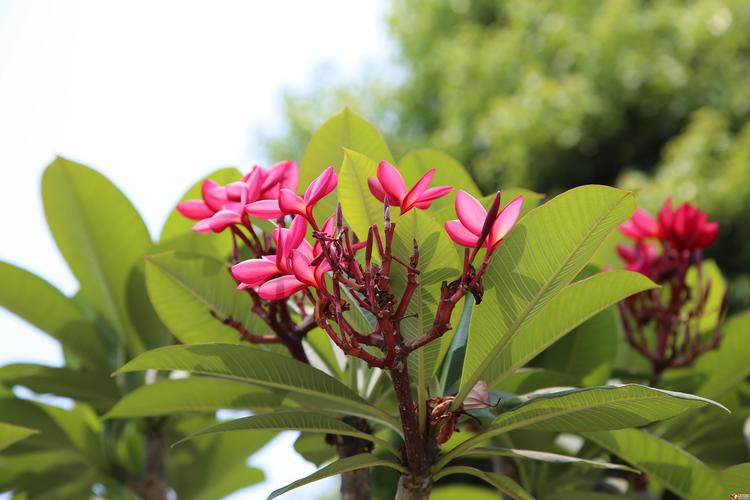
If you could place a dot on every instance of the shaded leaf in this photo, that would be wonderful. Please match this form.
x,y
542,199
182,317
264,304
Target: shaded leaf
x,y
673,467
502,483
544,456
10,434
194,394
303,382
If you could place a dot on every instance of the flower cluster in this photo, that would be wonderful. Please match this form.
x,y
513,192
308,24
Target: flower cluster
x,y
665,249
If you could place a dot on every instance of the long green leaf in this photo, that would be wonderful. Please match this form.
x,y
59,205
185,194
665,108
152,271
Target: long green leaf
x,y
544,456
676,469
194,394
504,484
540,256
10,434
343,130
296,420
596,408
45,307
736,478
96,388
101,236
575,304
186,287
303,382
356,462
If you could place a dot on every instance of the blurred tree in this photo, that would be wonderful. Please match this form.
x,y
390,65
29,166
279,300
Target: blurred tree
x,y
550,94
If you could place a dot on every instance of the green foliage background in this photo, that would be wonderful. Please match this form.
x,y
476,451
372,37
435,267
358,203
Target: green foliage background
x,y
649,95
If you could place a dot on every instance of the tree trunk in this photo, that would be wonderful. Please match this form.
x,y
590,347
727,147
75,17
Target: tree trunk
x,y
414,488
355,485
153,485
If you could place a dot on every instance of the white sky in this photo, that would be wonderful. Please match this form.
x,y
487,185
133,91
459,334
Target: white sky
x,y
154,94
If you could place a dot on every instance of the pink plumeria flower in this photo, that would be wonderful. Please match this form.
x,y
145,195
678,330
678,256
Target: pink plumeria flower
x,y
640,258
390,184
640,226
467,229
257,272
289,203
221,206
283,175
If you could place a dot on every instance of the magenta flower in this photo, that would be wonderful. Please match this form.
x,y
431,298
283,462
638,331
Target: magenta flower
x,y
221,206
224,206
258,272
640,258
640,226
686,228
471,218
390,184
289,203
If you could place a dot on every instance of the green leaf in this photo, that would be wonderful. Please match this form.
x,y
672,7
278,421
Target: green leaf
x,y
544,456
177,233
456,350
455,491
356,462
101,236
361,209
708,274
727,366
448,172
572,306
10,434
736,479
313,448
45,307
96,388
186,287
588,352
226,482
296,420
74,430
596,408
303,382
673,467
194,394
540,256
504,484
321,343
326,149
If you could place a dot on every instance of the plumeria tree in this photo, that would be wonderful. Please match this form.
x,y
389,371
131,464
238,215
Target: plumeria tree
x,y
392,304
413,330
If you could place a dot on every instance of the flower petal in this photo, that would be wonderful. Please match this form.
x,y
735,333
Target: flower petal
x,y
203,226
213,195
643,221
223,219
280,288
324,184
194,209
254,272
470,212
506,219
290,203
416,192
392,182
301,268
460,234
435,193
376,188
264,209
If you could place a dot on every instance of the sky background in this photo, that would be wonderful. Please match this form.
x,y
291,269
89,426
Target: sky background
x,y
154,95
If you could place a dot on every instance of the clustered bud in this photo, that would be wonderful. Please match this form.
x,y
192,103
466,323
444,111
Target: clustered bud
x,y
665,249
